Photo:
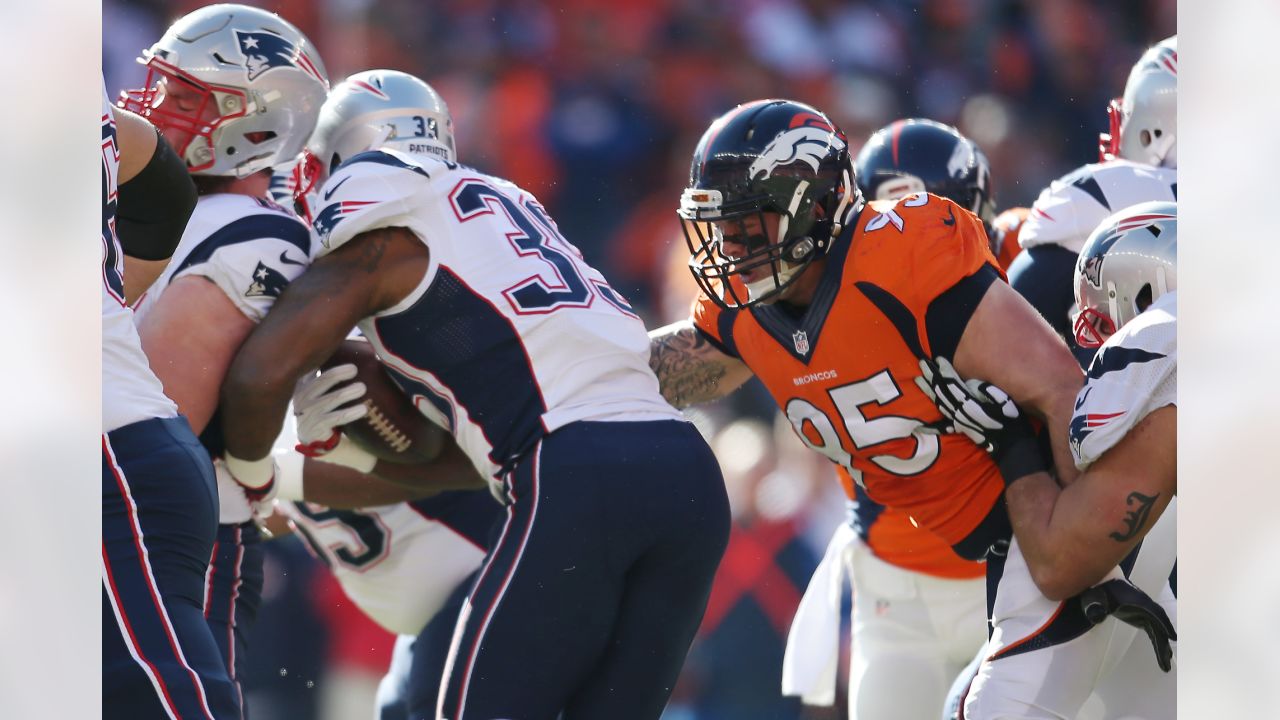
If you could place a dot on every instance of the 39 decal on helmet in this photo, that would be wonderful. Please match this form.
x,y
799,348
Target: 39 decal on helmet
x,y
234,89
920,155
1127,263
771,185
1144,122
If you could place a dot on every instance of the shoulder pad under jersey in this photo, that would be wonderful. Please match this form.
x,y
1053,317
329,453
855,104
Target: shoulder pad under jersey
x,y
374,189
1072,206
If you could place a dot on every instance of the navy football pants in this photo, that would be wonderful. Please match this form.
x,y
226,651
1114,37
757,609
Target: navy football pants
x,y
159,516
592,592
232,594
412,683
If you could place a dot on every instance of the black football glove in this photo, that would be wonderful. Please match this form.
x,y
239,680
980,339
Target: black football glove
x,y
1132,606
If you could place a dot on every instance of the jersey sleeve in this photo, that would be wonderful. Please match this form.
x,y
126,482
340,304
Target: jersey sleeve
x,y
252,260
950,245
949,268
1134,373
715,323
369,191
1065,213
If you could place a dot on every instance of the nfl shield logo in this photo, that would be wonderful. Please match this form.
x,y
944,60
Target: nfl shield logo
x,y
801,340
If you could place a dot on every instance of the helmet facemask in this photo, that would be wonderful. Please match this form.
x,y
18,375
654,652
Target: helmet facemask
x,y
804,232
186,110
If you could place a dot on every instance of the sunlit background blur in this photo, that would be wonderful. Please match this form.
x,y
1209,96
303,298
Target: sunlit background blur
x,y
595,107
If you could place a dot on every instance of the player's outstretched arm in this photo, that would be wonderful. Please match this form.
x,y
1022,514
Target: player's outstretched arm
x,y
690,369
1007,343
1073,537
347,489
369,273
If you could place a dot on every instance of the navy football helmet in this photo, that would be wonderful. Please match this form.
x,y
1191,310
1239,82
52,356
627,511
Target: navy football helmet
x,y
919,155
768,156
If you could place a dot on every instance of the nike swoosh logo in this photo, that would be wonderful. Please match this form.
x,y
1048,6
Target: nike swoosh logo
x,y
329,193
945,221
284,258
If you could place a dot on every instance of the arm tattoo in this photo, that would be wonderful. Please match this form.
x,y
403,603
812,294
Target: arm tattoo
x,y
686,366
1136,519
373,244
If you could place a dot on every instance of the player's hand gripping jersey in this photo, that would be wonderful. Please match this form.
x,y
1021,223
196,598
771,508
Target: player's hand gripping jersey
x,y
1134,373
901,287
526,337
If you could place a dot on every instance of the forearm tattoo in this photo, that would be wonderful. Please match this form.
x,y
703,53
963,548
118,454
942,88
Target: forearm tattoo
x,y
1136,519
686,365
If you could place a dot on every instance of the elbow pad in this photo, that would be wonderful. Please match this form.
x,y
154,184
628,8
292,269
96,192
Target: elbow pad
x,y
154,206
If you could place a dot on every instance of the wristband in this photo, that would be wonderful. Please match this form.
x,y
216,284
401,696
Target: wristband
x,y
252,474
348,454
1020,458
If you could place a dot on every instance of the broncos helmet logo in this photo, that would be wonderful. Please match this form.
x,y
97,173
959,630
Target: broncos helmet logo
x,y
808,144
264,51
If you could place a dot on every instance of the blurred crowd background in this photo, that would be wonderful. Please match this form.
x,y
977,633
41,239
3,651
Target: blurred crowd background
x,y
596,107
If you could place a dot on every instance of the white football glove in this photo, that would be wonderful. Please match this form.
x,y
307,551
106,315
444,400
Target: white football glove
x,y
979,410
321,404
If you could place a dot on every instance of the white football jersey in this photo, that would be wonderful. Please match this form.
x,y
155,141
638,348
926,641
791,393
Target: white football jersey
x,y
396,562
1134,373
1071,207
130,391
510,335
251,249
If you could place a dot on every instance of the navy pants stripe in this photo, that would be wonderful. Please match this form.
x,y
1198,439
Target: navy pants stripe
x,y
412,684
159,512
592,593
233,592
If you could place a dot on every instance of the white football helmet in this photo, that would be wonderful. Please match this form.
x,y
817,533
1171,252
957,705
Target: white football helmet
x,y
382,109
1128,262
234,89
371,110
1144,123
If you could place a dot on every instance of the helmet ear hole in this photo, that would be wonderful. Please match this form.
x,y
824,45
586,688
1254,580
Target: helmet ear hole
x,y
1143,299
1145,138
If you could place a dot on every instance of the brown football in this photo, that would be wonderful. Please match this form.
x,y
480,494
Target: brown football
x,y
393,430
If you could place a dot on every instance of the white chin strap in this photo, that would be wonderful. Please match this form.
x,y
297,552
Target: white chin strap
x,y
766,285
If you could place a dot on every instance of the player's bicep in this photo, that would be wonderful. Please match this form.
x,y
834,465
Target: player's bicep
x,y
690,368
137,139
190,335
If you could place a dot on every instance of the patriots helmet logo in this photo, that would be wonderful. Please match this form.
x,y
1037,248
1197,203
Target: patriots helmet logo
x,y
266,282
807,141
264,51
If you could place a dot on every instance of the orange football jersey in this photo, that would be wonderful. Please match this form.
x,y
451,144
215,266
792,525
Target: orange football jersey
x,y
1007,225
894,538
842,369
